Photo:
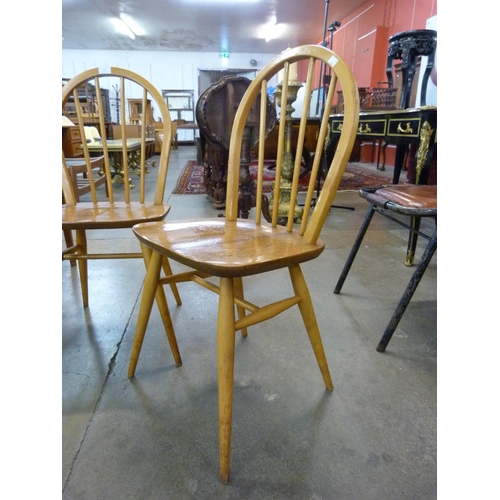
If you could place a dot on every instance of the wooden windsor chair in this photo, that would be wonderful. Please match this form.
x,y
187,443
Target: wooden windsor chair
x,y
231,248
121,207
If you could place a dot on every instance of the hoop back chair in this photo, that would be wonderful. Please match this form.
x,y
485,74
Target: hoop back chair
x,y
122,205
231,248
410,201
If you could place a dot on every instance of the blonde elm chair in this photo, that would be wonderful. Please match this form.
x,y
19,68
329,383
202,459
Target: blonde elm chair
x,y
231,248
123,207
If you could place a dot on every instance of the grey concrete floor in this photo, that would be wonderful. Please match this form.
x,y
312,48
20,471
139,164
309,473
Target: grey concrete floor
x,y
156,437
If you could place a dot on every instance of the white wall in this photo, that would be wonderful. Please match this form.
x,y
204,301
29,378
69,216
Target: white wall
x,y
431,95
165,70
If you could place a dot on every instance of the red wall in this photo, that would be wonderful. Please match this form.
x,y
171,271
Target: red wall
x,y
362,39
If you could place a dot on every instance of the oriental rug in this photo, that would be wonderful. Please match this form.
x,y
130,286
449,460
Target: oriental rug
x,y
191,179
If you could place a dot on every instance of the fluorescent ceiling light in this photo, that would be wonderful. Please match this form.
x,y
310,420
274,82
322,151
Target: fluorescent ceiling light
x,y
132,24
127,26
121,26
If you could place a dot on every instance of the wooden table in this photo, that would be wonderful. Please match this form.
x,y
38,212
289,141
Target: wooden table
x,y
115,149
399,126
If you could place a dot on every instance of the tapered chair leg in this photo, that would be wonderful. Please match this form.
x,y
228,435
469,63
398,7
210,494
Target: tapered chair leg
x,y
225,363
81,241
354,249
161,302
309,317
68,238
148,297
408,294
238,292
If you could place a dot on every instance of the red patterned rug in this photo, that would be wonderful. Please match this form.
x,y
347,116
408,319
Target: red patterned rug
x,y
192,179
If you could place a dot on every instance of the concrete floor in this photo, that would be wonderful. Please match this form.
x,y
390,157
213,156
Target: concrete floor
x,y
156,437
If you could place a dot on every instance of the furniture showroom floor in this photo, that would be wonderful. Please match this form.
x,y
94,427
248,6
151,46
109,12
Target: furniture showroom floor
x,y
156,436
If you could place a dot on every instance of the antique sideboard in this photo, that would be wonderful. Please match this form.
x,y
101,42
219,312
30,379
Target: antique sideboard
x,y
401,127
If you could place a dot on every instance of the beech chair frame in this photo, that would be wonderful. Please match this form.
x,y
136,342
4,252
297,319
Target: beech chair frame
x,y
231,248
120,209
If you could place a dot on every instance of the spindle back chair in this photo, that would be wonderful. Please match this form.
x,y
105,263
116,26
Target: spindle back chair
x,y
231,248
124,204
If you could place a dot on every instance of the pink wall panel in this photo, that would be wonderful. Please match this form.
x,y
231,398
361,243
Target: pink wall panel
x,y
363,62
362,38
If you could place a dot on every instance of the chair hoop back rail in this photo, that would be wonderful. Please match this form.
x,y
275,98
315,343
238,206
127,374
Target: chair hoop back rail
x,y
231,248
117,208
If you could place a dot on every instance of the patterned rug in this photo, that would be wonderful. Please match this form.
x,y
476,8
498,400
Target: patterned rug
x,y
191,180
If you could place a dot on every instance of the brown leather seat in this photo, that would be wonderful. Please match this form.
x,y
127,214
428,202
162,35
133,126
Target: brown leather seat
x,y
411,196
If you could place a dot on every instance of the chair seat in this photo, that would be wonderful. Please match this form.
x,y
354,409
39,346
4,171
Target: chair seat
x,y
228,248
416,202
111,215
411,196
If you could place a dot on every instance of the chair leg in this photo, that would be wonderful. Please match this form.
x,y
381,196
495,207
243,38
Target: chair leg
x,y
148,297
412,241
238,292
354,249
408,294
225,362
161,302
168,272
81,241
68,238
309,317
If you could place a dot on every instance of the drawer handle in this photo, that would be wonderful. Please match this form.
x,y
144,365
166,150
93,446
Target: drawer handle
x,y
407,130
367,129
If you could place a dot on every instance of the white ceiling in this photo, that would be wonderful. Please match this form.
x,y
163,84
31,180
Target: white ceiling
x,y
199,25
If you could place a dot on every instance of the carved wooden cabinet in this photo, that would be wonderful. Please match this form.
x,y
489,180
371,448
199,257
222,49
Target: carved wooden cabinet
x,y
215,111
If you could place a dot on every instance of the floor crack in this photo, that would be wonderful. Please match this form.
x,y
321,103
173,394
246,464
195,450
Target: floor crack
x,y
111,366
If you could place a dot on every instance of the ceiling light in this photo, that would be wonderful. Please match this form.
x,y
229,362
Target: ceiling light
x,y
122,27
126,25
271,30
132,24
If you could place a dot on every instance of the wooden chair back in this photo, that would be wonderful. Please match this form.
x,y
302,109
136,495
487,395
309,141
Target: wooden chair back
x,y
119,160
314,214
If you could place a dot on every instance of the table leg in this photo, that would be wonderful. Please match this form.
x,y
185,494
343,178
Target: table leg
x,y
398,162
118,175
